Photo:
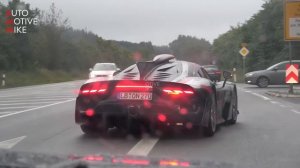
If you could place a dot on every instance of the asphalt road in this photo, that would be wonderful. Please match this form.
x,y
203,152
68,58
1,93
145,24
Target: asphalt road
x,y
41,119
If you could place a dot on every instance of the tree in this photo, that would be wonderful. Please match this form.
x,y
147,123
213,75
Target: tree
x,y
191,49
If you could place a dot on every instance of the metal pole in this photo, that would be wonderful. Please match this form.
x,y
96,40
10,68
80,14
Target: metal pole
x,y
234,74
3,80
244,65
291,88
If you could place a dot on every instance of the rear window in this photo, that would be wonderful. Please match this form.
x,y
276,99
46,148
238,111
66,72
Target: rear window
x,y
105,67
210,67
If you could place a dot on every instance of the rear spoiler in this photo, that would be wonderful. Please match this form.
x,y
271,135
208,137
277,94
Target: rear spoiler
x,y
146,67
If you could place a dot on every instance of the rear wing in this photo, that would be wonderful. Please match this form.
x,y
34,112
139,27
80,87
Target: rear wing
x,y
147,67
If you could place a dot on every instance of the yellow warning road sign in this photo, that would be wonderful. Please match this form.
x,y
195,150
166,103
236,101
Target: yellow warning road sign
x,y
244,51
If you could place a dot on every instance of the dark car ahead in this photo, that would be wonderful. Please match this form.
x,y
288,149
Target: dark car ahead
x,y
213,72
154,95
274,75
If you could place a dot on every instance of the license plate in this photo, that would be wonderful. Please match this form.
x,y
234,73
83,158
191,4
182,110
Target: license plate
x,y
135,96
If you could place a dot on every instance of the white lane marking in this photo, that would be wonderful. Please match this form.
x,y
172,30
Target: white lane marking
x,y
295,111
22,107
143,147
281,105
248,91
7,144
6,112
31,100
10,104
274,102
23,111
261,96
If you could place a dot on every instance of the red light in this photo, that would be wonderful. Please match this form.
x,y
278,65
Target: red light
x,y
183,111
188,92
101,90
94,89
162,117
185,164
90,112
171,91
147,104
85,91
135,162
168,163
93,158
173,163
131,161
128,86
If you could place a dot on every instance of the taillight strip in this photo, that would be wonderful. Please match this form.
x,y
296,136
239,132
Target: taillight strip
x,y
123,86
177,92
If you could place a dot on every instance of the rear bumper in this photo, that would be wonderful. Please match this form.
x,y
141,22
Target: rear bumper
x,y
145,111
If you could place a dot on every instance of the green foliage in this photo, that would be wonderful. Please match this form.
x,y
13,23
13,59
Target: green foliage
x,y
264,35
54,45
191,49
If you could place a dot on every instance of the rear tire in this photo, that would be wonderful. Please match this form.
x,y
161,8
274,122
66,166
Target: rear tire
x,y
233,110
262,82
210,130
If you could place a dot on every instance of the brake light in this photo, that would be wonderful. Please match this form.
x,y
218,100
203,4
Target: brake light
x,y
162,117
217,72
94,89
176,91
90,112
173,163
93,158
132,161
137,86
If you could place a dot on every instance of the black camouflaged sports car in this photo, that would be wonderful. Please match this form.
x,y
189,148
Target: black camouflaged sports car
x,y
156,94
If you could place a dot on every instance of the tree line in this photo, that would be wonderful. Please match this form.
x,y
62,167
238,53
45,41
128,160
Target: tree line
x,y
264,36
54,45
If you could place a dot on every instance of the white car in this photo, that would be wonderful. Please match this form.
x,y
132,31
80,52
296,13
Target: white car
x,y
104,70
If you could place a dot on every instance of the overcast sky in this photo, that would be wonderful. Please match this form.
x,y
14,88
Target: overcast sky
x,y
158,21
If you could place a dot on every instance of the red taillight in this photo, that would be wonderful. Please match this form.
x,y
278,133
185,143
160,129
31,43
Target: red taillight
x,y
90,112
133,86
177,91
162,117
96,88
173,163
217,72
132,161
93,158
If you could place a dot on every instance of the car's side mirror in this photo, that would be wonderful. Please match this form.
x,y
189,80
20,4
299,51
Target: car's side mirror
x,y
275,69
227,75
90,69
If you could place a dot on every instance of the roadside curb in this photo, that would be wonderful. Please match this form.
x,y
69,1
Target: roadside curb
x,y
285,95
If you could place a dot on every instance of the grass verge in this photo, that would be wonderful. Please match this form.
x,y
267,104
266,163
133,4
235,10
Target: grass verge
x,y
42,76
